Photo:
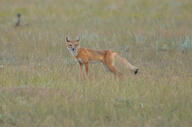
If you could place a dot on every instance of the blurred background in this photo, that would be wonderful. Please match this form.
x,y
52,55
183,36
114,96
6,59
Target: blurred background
x,y
39,79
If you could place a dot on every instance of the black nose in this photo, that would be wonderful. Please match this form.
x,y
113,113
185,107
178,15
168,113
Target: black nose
x,y
73,49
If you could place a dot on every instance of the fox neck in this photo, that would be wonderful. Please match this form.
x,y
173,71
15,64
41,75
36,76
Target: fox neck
x,y
74,52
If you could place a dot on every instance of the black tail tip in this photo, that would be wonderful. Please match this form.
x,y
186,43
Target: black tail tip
x,y
136,71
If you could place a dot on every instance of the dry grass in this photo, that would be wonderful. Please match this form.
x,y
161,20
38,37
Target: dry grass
x,y
39,80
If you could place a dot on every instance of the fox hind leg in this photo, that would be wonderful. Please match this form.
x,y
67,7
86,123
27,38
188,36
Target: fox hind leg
x,y
109,64
114,70
105,67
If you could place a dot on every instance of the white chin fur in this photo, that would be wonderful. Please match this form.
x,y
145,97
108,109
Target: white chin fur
x,y
74,53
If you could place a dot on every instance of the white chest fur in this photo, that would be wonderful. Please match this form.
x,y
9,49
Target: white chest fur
x,y
79,60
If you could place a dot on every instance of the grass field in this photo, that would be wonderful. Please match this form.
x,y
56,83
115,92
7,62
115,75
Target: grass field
x,y
39,80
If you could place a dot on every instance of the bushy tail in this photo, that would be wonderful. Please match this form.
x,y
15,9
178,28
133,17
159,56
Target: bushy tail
x,y
120,61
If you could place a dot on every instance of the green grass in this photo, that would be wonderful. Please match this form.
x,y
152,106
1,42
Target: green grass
x,y
39,80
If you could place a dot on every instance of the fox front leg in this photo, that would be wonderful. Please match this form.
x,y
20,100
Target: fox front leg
x,y
87,69
81,70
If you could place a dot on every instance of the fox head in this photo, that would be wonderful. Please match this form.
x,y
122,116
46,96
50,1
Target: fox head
x,y
73,46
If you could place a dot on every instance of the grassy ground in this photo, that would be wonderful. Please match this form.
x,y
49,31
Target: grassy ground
x,y
39,80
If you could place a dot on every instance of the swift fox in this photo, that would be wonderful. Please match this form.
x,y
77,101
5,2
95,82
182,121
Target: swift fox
x,y
84,56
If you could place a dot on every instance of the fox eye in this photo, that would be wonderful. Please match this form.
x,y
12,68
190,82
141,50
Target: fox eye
x,y
70,45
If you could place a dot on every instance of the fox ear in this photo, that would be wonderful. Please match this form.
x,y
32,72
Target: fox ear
x,y
67,40
78,38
